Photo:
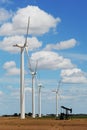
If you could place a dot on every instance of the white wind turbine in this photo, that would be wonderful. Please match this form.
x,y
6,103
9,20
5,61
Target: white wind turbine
x,y
33,73
22,92
57,91
39,99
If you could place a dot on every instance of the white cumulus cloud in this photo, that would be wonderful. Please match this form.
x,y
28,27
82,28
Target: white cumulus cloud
x,y
51,60
62,45
10,64
11,68
40,22
7,43
71,72
4,15
73,75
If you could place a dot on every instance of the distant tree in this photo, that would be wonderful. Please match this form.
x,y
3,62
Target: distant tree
x,y
29,114
15,114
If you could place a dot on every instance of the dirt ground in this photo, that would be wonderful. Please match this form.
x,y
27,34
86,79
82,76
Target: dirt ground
x,y
11,123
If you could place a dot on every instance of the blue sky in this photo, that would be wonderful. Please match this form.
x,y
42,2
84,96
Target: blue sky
x,y
57,39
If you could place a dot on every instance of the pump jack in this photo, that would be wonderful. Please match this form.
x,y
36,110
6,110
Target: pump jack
x,y
66,114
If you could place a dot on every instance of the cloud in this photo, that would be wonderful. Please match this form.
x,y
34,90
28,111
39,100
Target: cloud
x,y
50,60
1,93
28,89
8,42
62,45
15,94
10,68
74,71
34,43
4,15
12,80
73,75
77,56
40,22
10,64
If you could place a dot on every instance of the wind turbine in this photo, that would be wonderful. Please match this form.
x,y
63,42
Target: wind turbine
x,y
57,91
22,92
39,99
33,74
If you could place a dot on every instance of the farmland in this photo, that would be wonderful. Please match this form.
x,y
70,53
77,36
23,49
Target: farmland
x,y
15,123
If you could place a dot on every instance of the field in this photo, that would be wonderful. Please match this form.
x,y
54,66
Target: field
x,y
11,123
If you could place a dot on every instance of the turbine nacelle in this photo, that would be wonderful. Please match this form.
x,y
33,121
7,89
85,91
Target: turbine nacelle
x,y
55,91
40,85
33,73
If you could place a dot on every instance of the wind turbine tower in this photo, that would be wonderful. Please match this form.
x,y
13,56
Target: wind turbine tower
x,y
39,99
33,74
57,92
22,92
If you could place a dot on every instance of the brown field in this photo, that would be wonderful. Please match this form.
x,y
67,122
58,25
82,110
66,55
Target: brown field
x,y
10,123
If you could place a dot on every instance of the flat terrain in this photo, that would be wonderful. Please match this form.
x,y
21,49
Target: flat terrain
x,y
10,123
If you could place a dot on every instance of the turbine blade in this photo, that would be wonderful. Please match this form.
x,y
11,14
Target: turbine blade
x,y
58,86
28,60
14,45
36,81
54,91
30,68
36,66
27,32
27,52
